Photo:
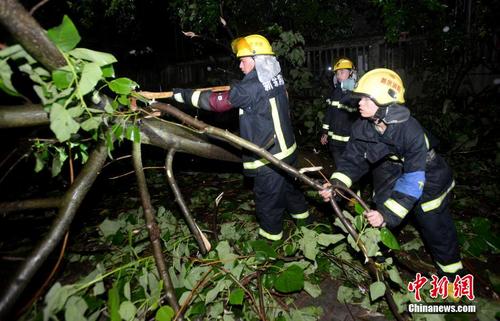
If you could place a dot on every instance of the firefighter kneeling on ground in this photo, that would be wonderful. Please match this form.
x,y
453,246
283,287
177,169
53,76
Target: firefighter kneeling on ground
x,y
407,173
264,119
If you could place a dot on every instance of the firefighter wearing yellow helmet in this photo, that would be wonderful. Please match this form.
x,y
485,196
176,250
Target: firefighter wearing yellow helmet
x,y
264,119
341,110
409,177
251,45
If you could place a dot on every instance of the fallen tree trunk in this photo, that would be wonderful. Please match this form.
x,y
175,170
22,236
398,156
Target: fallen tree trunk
x,y
154,132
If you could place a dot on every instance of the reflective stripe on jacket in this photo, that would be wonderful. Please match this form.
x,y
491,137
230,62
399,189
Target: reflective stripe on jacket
x,y
264,120
340,114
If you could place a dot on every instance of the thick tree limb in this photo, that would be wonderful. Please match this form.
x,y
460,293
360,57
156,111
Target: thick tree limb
x,y
37,203
153,229
200,238
154,132
26,30
167,135
69,205
23,116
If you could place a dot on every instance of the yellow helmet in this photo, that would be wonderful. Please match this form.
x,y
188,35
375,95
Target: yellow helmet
x,y
383,86
251,45
343,63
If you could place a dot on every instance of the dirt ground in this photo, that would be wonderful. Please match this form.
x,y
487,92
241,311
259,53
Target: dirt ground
x,y
333,310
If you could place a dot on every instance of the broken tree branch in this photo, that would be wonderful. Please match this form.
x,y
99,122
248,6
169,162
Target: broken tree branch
x,y
153,229
200,238
31,204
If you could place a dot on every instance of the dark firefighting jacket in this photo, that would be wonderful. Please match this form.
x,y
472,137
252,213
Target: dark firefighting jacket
x,y
264,117
424,176
340,114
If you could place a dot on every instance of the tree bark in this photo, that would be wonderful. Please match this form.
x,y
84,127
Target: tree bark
x,y
153,229
168,135
26,30
38,203
28,115
200,238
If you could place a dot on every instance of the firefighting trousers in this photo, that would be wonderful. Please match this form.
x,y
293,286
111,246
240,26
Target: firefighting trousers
x,y
276,192
431,212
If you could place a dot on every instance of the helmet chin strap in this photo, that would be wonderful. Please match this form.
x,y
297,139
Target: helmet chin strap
x,y
381,112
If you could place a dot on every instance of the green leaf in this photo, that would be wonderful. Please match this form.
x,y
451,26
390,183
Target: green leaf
x,y
214,292
228,232
5,76
98,288
114,303
132,133
290,249
481,225
309,243
328,239
127,310
312,289
165,313
11,51
377,289
394,275
40,162
263,246
109,227
75,309
76,111
91,75
62,78
236,296
345,294
108,71
56,298
65,36
56,166
225,254
388,239
194,276
290,280
358,208
91,123
123,99
359,222
100,58
61,123
122,86
198,308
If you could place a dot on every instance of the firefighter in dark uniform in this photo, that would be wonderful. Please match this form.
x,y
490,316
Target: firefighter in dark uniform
x,y
341,111
264,118
408,175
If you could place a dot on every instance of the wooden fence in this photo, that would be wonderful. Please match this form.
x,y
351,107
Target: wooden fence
x,y
367,53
